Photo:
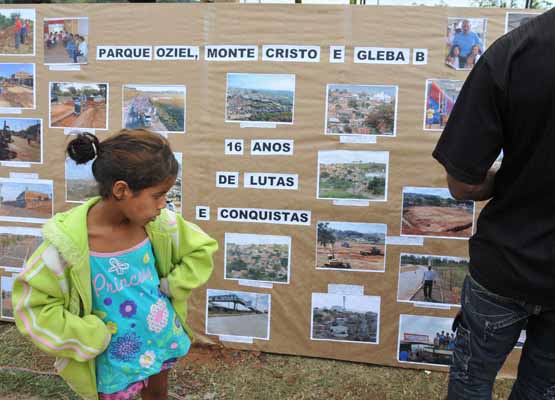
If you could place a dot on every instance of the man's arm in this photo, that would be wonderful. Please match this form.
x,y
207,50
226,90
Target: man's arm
x,y
463,191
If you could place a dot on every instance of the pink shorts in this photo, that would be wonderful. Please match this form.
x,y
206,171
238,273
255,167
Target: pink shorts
x,y
134,389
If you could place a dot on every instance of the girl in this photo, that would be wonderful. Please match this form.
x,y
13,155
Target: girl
x,y
106,292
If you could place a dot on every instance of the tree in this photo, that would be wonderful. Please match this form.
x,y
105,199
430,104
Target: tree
x,y
326,236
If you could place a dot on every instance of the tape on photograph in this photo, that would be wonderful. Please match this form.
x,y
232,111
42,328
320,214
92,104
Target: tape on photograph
x,y
265,285
405,240
64,67
371,139
23,175
15,164
236,339
353,290
76,131
269,125
423,304
10,111
355,203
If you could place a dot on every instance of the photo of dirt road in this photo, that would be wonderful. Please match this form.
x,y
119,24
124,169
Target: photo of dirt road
x,y
21,140
26,200
433,212
78,105
17,85
22,21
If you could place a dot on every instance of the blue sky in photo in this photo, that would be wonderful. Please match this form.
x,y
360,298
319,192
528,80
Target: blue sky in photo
x,y
284,82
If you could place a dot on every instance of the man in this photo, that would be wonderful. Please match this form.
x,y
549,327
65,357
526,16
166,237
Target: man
x,y
428,279
507,102
17,31
466,40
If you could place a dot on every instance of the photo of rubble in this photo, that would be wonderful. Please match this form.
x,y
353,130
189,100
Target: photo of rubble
x,y
260,98
17,85
17,32
159,108
21,140
252,257
80,182
26,200
345,318
17,244
78,105
361,110
350,246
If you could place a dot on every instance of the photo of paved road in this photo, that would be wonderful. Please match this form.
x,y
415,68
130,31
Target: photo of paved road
x,y
78,105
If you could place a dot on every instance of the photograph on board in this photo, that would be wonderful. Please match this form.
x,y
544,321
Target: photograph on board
x,y
174,195
265,258
350,246
352,175
21,140
235,313
345,318
441,95
78,105
17,244
17,32
80,182
465,42
17,85
26,200
361,110
426,340
159,108
431,279
515,20
434,212
260,98
66,40
6,287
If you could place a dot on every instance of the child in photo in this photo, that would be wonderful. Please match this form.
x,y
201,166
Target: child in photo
x,y
106,292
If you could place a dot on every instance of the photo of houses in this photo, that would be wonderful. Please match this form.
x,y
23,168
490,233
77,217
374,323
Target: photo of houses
x,y
6,306
160,108
431,279
66,40
350,246
441,95
17,244
17,32
78,105
260,98
17,85
345,318
433,212
257,257
426,340
21,140
361,110
80,182
515,20
235,313
344,174
26,200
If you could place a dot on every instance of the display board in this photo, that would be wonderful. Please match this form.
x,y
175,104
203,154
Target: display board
x,y
305,136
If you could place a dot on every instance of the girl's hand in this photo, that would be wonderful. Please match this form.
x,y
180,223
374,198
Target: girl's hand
x,y
165,287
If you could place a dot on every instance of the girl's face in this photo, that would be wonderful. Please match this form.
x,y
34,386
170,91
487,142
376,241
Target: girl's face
x,y
456,52
475,50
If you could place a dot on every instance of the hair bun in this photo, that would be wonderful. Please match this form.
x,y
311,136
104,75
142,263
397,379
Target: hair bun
x,y
83,148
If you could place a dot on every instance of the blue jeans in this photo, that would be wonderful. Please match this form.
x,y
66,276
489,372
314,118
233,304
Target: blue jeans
x,y
488,327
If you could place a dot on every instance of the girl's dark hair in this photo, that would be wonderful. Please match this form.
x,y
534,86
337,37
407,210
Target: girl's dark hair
x,y
139,157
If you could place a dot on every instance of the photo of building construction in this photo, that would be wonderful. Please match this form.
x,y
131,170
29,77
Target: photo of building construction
x,y
257,257
260,98
431,279
350,246
21,140
80,182
17,244
361,110
66,40
26,200
160,108
345,318
441,95
78,105
6,306
17,85
353,175
426,340
235,313
17,32
434,212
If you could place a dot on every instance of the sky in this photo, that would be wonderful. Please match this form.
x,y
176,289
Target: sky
x,y
157,88
262,81
346,156
18,124
10,190
441,192
352,303
78,86
82,171
263,299
241,238
435,256
25,13
8,69
369,89
422,325
358,227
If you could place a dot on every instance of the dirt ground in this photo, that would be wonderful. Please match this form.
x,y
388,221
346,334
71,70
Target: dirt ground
x,y
25,152
7,42
352,256
437,221
94,117
16,96
44,211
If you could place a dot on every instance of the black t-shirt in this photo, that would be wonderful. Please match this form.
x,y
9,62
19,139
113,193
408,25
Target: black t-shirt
x,y
508,103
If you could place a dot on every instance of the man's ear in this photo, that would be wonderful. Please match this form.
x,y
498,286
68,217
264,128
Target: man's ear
x,y
120,190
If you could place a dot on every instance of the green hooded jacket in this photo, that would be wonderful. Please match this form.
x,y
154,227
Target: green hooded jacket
x,y
52,296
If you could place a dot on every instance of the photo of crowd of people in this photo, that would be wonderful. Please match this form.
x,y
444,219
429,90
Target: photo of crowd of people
x,y
464,42
65,40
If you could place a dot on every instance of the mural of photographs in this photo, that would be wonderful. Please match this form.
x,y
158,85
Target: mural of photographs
x,y
426,340
174,195
361,110
21,140
159,108
431,279
465,41
17,85
80,182
352,175
265,258
66,40
345,318
433,212
26,200
441,95
17,32
234,313
78,105
260,98
515,20
350,246
17,244
6,306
